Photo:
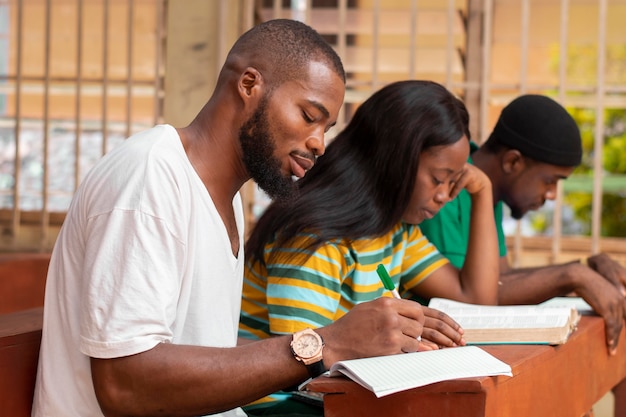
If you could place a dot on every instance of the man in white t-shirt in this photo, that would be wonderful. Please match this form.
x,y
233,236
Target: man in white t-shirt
x,y
144,285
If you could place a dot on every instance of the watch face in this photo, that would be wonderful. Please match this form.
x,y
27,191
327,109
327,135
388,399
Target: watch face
x,y
307,345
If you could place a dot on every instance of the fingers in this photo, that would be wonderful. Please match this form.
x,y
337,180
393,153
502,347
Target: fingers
x,y
472,179
614,315
427,345
613,330
441,329
407,308
609,269
604,291
383,326
609,304
465,181
412,318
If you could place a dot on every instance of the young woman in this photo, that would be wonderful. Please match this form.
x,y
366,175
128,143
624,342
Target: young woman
x,y
399,160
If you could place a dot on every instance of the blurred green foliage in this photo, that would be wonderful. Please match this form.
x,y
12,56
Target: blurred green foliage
x,y
581,71
613,216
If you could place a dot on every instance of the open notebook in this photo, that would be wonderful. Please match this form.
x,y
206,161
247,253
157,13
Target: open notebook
x,y
384,375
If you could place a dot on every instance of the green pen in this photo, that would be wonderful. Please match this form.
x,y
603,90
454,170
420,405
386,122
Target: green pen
x,y
386,279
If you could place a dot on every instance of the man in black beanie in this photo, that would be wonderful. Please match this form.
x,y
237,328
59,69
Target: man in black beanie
x,y
534,144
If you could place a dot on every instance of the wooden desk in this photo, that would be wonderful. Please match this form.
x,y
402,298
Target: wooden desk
x,y
20,337
22,280
547,381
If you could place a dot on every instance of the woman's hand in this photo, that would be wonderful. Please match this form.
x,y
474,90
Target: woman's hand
x,y
440,330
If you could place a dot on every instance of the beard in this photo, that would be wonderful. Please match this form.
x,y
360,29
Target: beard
x,y
258,149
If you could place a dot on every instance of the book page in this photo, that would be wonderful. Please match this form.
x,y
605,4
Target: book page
x,y
578,303
473,316
386,375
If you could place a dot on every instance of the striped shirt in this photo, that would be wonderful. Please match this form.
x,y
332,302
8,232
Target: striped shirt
x,y
303,288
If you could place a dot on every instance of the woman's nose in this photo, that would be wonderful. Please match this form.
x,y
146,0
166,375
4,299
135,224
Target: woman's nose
x,y
442,196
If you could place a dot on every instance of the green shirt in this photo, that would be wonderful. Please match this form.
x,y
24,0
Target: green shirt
x,y
449,229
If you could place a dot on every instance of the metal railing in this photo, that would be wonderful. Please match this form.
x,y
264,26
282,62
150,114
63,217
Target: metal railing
x,y
84,74
78,76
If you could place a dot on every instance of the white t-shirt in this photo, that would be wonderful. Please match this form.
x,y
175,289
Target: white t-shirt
x,y
143,257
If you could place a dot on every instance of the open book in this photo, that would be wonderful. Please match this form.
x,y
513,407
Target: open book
x,y
577,302
533,324
384,375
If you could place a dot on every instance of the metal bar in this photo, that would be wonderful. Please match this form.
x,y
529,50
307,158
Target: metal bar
x,y
375,43
309,5
248,15
277,9
72,80
342,11
449,43
45,220
596,207
105,74
473,66
79,85
129,68
524,24
15,224
557,218
160,28
413,40
222,47
301,11
341,50
486,66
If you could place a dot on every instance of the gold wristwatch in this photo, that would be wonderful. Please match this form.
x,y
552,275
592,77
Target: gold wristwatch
x,y
306,347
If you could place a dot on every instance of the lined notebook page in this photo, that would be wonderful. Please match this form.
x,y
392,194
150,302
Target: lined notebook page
x,y
386,375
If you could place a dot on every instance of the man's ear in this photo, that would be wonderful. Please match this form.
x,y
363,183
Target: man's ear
x,y
250,84
512,162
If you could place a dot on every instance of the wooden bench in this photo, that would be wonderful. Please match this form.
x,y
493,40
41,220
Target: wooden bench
x,y
22,287
20,337
22,280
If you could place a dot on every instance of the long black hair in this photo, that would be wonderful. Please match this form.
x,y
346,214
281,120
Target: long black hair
x,y
362,185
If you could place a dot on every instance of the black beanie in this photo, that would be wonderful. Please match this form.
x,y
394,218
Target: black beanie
x,y
541,129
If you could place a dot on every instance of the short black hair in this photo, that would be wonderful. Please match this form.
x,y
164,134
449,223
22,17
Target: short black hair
x,y
281,48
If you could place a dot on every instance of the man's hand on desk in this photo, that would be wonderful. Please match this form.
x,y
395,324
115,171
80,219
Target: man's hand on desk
x,y
605,298
609,269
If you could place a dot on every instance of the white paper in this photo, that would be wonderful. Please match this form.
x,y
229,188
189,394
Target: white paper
x,y
475,316
386,375
576,302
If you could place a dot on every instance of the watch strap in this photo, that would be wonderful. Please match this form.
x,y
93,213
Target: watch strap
x,y
316,368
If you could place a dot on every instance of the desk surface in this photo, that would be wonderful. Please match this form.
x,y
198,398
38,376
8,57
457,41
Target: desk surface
x,y
20,337
565,380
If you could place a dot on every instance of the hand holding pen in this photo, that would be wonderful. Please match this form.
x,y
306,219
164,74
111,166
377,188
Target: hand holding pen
x,y
388,284
449,332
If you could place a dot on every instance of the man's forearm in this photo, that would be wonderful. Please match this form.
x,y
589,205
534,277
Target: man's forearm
x,y
192,380
479,275
535,284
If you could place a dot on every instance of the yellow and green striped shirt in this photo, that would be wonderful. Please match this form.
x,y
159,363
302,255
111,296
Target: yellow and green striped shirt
x,y
294,293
